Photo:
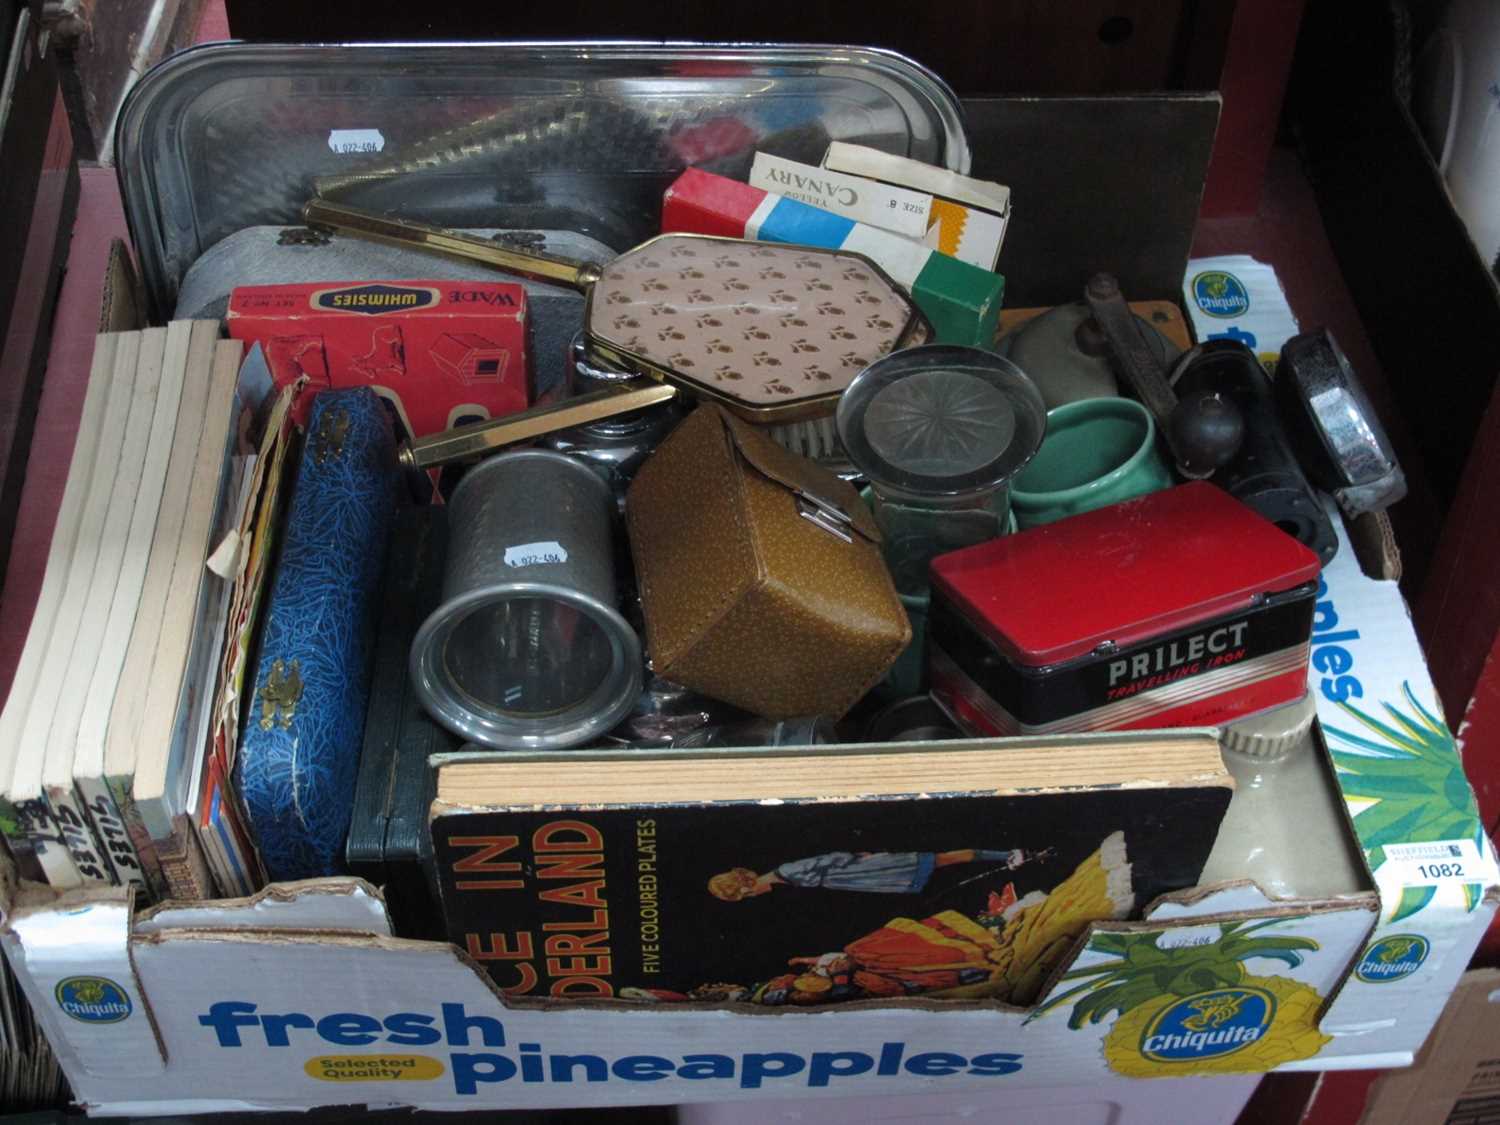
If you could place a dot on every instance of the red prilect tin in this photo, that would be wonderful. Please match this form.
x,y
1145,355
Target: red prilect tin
x,y
1180,608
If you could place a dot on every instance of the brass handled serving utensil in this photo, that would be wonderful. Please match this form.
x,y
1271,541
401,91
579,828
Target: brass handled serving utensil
x,y
772,332
478,438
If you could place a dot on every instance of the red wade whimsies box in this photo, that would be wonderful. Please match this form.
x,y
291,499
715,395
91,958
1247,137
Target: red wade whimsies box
x,y
438,352
1181,608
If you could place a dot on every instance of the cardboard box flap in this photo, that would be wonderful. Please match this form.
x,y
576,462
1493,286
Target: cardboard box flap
x,y
1247,992
1243,896
1395,759
333,905
276,1018
74,963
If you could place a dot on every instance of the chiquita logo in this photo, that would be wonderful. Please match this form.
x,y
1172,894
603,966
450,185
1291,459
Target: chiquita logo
x,y
92,999
1392,957
375,298
1209,1025
1220,294
373,1068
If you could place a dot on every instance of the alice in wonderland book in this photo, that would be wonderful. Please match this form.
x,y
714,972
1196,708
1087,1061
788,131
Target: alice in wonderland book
x,y
966,871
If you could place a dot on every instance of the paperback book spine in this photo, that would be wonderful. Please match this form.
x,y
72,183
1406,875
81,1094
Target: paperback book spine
x,y
22,826
118,789
183,865
224,841
41,836
88,855
18,842
56,675
103,815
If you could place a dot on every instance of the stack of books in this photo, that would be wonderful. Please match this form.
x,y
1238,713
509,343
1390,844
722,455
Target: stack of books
x,y
120,685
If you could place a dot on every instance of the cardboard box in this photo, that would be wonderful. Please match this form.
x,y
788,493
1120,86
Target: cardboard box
x,y
301,997
895,209
967,217
1235,297
439,352
1457,1076
138,1003
1413,813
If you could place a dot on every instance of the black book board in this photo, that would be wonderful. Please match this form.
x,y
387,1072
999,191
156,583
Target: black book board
x,y
387,836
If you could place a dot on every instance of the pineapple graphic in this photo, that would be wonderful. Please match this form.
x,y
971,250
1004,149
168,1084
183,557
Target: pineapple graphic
x,y
1396,948
1405,784
1196,1009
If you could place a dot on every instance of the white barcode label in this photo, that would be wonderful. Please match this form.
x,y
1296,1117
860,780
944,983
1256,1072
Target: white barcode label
x,y
1440,861
356,140
536,554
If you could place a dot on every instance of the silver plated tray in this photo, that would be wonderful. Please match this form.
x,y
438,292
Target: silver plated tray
x,y
563,136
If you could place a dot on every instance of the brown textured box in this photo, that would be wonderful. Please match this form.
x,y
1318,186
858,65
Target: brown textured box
x,y
747,597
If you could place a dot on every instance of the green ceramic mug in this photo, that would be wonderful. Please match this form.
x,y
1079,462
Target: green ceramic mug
x,y
1097,452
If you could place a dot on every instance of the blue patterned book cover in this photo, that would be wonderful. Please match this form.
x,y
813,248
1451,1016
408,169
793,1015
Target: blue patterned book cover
x,y
299,754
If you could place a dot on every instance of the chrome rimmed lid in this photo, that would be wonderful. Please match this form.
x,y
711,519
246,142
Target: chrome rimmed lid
x,y
545,707
941,422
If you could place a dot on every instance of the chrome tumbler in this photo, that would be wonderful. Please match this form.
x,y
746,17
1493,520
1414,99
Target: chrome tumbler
x,y
614,447
527,650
